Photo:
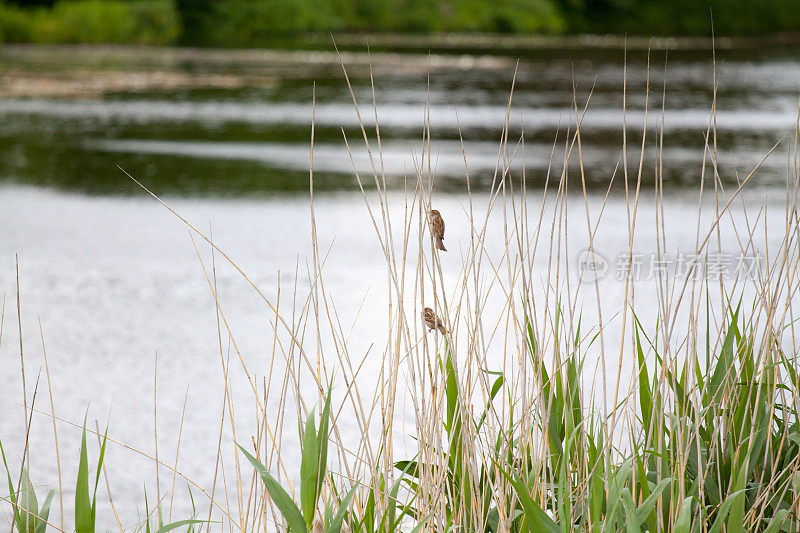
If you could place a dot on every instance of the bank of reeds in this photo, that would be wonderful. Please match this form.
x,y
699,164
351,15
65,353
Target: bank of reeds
x,y
524,417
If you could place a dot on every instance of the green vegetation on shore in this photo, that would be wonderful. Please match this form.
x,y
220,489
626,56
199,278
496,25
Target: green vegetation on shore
x,y
254,23
151,22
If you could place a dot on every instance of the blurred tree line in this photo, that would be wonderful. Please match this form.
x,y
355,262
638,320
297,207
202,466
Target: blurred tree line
x,y
241,23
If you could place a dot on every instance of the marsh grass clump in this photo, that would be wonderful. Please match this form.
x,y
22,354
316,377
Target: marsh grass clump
x,y
524,414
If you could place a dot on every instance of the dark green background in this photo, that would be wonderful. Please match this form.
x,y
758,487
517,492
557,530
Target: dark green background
x,y
252,23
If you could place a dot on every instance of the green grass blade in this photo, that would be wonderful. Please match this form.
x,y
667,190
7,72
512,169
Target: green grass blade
x,y
292,515
777,521
44,512
179,523
420,525
309,470
28,512
735,521
631,517
645,396
498,384
336,524
389,516
12,494
322,440
84,518
724,510
535,518
683,524
146,513
97,478
451,392
647,506
725,362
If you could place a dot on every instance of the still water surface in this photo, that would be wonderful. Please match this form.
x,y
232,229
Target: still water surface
x,y
115,280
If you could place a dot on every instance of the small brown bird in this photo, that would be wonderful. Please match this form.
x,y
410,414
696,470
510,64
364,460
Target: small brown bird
x,y
433,321
437,229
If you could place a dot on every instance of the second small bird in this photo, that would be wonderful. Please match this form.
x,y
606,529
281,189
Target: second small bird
x,y
437,229
433,321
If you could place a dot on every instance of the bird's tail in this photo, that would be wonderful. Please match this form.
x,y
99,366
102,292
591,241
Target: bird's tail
x,y
441,329
440,245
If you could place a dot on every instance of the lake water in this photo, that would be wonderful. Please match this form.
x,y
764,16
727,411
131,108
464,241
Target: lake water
x,y
114,278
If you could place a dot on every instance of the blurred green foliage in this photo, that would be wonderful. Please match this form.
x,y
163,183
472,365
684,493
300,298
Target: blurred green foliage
x,y
253,23
152,22
682,17
250,23
192,15
731,17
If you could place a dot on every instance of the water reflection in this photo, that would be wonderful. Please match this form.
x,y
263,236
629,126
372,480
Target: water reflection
x,y
238,123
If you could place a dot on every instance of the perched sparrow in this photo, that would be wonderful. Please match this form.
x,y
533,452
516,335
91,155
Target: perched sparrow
x,y
437,228
433,321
